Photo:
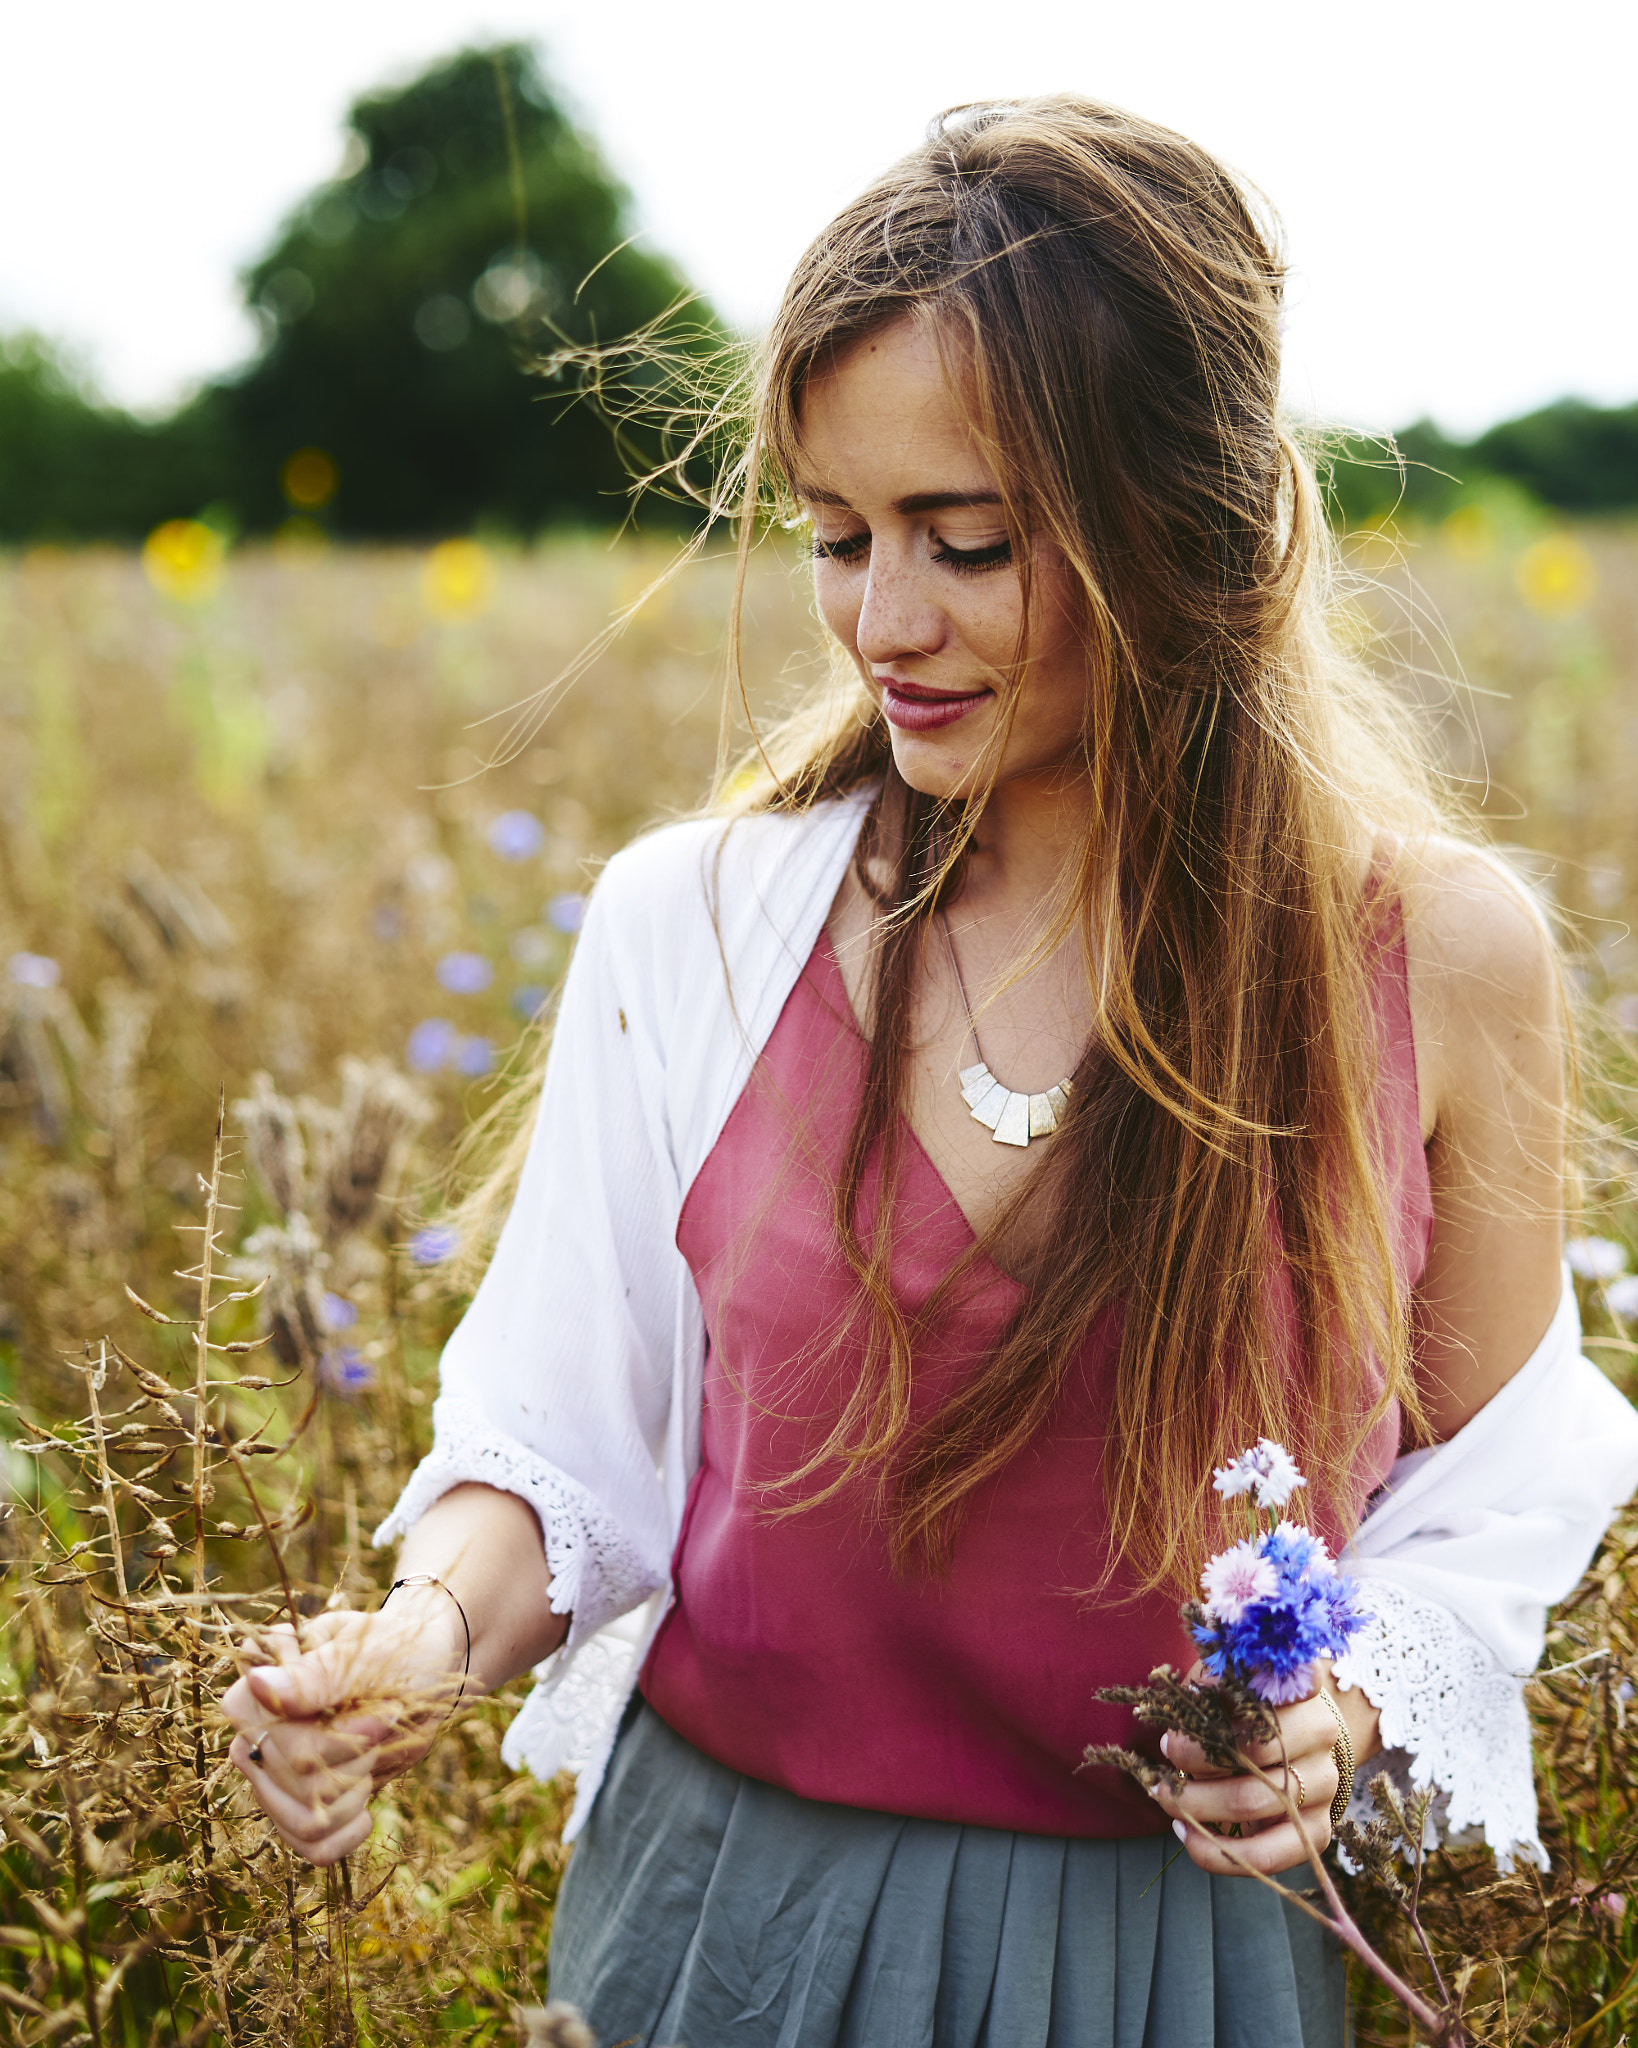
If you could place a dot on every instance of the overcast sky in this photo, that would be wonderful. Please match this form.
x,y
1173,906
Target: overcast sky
x,y
1458,179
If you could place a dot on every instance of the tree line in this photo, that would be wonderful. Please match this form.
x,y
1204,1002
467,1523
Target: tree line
x,y
407,308
410,307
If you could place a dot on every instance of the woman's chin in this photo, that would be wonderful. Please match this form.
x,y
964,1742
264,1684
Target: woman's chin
x,y
944,772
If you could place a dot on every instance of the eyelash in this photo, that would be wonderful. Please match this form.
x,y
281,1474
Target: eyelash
x,y
964,561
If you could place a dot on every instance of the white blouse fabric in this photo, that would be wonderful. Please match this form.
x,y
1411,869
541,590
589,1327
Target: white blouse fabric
x,y
574,1378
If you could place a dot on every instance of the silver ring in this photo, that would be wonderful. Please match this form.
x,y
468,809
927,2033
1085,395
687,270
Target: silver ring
x,y
256,1746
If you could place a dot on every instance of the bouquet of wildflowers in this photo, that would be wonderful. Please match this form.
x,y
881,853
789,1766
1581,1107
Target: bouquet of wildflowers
x,y
1275,1601
1275,1604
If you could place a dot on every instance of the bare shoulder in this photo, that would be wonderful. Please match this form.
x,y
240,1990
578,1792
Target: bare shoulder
x,y
1484,978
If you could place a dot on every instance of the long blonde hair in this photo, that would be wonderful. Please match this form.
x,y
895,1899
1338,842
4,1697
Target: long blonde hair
x,y
1107,299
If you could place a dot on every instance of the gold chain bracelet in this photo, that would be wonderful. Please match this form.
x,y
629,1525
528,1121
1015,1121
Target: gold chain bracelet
x,y
1342,1751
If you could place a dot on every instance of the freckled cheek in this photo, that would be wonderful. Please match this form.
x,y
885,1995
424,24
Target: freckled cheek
x,y
840,600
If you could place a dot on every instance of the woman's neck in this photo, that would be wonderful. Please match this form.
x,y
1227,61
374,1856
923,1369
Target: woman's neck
x,y
1026,847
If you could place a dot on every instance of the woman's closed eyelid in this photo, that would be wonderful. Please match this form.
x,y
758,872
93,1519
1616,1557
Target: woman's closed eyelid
x,y
985,554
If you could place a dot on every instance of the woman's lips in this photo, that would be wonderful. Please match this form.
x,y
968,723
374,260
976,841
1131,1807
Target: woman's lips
x,y
925,712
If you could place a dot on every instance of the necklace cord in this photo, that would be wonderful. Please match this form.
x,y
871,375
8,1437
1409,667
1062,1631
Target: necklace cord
x,y
949,940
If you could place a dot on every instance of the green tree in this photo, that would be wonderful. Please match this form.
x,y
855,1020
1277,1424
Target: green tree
x,y
73,468
405,300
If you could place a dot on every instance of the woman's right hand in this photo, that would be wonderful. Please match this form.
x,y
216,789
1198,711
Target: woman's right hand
x,y
326,1723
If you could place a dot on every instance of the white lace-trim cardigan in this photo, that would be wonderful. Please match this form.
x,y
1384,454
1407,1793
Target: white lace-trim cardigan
x,y
574,1378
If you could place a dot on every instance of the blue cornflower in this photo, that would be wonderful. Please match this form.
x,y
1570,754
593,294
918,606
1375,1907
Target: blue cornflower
x,y
528,1000
566,913
434,1244
1297,1553
474,1056
432,1044
516,835
465,974
346,1371
1345,1614
336,1312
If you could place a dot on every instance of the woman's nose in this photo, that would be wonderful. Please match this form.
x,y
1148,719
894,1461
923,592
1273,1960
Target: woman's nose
x,y
899,615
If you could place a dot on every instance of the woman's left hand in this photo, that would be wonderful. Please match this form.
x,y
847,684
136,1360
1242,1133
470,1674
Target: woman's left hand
x,y
1268,1839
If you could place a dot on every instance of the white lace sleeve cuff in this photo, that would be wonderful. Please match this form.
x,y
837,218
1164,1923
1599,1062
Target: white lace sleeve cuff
x,y
1452,1718
597,1573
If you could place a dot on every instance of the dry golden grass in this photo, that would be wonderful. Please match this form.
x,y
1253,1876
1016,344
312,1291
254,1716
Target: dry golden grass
x,y
246,831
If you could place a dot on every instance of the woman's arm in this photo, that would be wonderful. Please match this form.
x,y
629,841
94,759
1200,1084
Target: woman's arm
x,y
367,1698
1486,1019
1485,1008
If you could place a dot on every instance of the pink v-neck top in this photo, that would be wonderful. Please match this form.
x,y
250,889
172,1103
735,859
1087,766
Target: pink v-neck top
x,y
792,1651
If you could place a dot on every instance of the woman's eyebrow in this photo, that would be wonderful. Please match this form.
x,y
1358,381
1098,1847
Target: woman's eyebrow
x,y
917,501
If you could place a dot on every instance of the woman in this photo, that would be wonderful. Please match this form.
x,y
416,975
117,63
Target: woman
x,y
1088,1051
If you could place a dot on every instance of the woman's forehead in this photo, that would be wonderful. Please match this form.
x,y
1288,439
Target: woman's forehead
x,y
884,423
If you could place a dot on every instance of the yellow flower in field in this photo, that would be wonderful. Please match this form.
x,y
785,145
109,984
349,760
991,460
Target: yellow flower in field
x,y
1556,577
458,580
310,478
183,559
1471,533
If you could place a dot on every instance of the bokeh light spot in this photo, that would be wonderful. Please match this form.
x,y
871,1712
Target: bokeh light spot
x,y
183,559
458,580
432,1045
516,835
299,538
465,974
474,1056
34,970
434,1244
1556,576
310,478
1470,533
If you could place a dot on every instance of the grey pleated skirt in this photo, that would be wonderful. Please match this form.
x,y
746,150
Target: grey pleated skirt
x,y
702,1909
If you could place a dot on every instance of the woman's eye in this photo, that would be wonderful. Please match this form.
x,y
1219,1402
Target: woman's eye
x,y
849,548
970,561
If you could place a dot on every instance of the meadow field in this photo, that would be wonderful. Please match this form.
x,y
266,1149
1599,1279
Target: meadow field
x,y
251,863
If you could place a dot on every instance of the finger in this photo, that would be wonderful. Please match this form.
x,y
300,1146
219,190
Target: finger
x,y
299,1750
1248,1801
1188,1756
333,1847
1304,1727
1272,1850
306,1809
301,1780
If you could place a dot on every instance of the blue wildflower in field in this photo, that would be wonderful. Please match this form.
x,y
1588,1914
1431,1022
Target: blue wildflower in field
x,y
432,1045
566,913
433,1244
346,1371
1275,1602
336,1312
529,1000
465,974
34,970
474,1056
516,835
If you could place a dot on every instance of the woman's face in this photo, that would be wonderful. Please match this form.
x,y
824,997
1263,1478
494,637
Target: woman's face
x,y
916,579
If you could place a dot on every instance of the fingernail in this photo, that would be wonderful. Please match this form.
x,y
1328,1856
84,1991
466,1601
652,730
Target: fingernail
x,y
1166,1745
1153,1791
275,1685
1180,1829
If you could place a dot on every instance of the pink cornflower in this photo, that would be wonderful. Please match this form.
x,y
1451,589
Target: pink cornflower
x,y
1235,1578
